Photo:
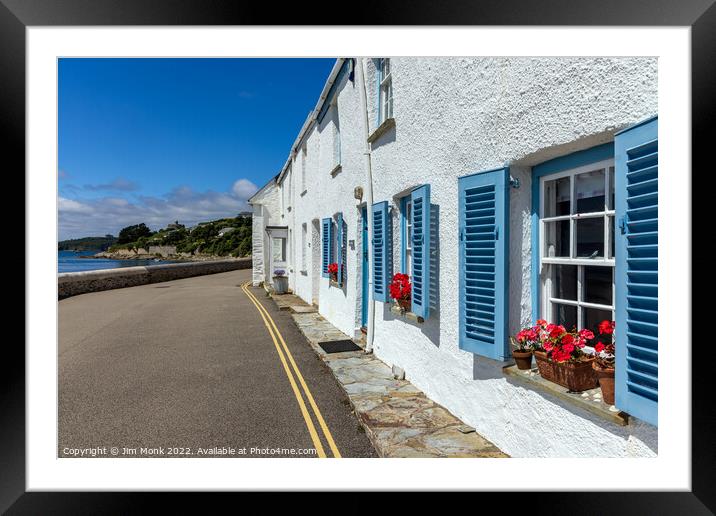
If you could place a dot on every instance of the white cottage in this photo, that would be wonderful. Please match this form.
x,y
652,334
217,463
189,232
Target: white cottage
x,y
508,189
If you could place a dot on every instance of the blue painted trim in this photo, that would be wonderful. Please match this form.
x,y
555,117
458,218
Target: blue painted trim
x,y
420,241
566,162
498,349
332,91
575,159
382,251
403,233
365,268
340,238
636,296
325,246
643,122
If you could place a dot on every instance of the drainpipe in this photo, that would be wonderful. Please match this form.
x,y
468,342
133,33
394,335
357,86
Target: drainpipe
x,y
360,79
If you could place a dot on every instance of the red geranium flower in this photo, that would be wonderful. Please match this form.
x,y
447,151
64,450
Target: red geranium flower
x,y
599,347
400,287
586,334
606,327
333,268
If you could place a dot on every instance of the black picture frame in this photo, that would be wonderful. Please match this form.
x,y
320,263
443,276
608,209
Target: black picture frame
x,y
700,15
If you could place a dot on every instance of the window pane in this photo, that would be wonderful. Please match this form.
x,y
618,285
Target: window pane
x,y
566,315
557,239
598,285
590,238
556,197
564,281
610,221
592,318
589,192
279,249
611,188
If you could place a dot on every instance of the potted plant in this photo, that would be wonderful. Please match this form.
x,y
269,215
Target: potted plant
x,y
400,290
280,281
604,360
561,358
333,271
524,342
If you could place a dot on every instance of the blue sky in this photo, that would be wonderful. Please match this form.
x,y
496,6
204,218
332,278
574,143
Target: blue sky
x,y
156,140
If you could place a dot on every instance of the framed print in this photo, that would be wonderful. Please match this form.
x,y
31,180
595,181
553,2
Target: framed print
x,y
460,232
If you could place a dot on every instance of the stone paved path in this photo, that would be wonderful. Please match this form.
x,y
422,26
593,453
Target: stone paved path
x,y
399,419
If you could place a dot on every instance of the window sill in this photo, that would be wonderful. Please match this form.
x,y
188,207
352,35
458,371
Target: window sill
x,y
408,315
383,128
336,170
531,379
332,283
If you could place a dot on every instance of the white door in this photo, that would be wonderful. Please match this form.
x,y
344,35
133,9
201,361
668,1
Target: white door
x,y
278,256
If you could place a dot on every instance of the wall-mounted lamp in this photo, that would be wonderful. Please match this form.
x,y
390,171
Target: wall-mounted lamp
x,y
358,192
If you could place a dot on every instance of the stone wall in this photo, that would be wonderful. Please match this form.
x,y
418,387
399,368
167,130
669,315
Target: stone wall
x,y
163,250
75,283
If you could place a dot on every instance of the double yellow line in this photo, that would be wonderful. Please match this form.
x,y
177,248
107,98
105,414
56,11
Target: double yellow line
x,y
283,353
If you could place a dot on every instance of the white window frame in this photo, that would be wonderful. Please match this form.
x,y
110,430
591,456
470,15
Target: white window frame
x,y
385,101
336,134
408,241
304,159
546,299
304,249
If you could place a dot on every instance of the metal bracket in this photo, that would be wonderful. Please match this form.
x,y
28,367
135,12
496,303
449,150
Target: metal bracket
x,y
514,182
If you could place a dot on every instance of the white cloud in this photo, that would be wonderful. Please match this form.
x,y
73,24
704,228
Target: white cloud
x,y
70,206
90,217
120,184
243,189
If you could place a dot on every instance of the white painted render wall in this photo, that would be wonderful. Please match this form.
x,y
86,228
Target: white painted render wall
x,y
266,212
455,117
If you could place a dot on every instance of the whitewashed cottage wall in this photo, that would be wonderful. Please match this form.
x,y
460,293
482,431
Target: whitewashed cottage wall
x,y
456,117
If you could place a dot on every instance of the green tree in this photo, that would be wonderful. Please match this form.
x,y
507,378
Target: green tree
x,y
133,233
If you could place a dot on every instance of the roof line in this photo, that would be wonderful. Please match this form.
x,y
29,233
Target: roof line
x,y
312,116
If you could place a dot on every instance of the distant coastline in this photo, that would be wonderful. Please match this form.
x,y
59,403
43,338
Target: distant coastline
x,y
141,254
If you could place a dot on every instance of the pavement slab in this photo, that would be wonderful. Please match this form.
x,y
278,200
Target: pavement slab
x,y
398,418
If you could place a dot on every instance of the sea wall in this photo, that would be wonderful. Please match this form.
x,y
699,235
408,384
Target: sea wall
x,y
75,283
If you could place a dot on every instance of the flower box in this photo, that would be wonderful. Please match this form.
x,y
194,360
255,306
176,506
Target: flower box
x,y
575,376
404,304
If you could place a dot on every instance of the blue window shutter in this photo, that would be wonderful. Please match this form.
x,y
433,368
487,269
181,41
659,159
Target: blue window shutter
x,y
636,153
484,242
403,231
326,246
340,236
420,239
381,252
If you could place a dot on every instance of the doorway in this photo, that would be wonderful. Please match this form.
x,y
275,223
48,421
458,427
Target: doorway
x,y
364,268
278,259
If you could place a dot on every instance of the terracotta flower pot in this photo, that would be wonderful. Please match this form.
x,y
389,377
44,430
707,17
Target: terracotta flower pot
x,y
523,359
605,376
575,376
544,365
404,304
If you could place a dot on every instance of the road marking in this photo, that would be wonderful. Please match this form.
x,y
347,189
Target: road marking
x,y
302,405
306,390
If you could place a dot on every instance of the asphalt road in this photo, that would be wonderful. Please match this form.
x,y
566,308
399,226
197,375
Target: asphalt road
x,y
188,368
